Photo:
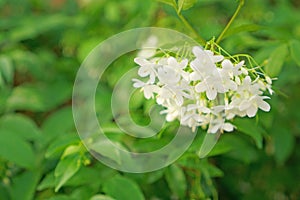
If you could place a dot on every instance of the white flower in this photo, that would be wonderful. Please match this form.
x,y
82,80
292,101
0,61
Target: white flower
x,y
228,68
207,91
252,104
148,89
172,93
248,99
179,67
147,68
219,124
167,75
206,56
173,112
266,85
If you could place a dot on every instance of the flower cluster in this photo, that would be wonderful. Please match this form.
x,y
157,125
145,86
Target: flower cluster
x,y
208,90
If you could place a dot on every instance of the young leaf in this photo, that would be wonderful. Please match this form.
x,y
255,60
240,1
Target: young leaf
x,y
57,146
120,188
295,51
176,181
185,4
276,60
65,169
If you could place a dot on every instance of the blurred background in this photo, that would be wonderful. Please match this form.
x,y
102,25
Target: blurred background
x,y
42,44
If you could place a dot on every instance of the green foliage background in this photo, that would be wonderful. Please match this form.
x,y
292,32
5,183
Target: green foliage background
x,y
42,44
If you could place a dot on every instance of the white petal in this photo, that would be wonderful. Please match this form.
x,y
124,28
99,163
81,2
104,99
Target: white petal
x,y
179,100
251,111
269,80
211,93
218,58
184,63
238,80
194,76
264,106
244,71
143,71
244,105
149,90
205,110
247,80
197,51
214,128
172,61
141,61
227,64
152,78
159,100
228,127
218,108
232,85
137,83
201,87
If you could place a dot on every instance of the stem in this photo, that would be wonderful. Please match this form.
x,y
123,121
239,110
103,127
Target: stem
x,y
189,26
241,3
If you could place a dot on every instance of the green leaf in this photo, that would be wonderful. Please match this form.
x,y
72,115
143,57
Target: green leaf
x,y
120,188
77,148
212,170
43,97
220,148
101,197
47,182
20,125
58,123
58,146
6,69
61,197
283,142
242,28
15,149
242,150
107,149
185,4
24,185
84,176
251,128
23,26
19,99
169,2
65,169
295,51
276,60
176,181
4,194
